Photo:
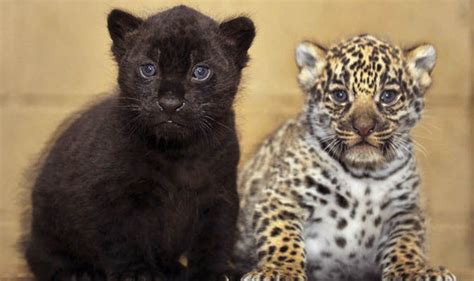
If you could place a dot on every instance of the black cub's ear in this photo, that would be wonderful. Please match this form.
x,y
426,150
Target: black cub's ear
x,y
238,34
120,23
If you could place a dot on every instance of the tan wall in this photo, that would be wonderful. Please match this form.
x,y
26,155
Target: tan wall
x,y
55,58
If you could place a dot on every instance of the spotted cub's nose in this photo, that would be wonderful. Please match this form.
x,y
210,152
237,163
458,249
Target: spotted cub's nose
x,y
364,125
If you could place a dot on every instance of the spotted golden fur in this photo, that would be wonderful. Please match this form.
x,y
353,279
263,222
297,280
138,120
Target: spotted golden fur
x,y
334,193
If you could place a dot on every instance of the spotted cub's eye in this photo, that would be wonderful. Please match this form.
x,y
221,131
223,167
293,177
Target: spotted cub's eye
x,y
147,70
389,97
201,73
339,96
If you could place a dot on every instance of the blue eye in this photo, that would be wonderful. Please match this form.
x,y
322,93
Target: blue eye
x,y
147,70
201,73
388,97
340,96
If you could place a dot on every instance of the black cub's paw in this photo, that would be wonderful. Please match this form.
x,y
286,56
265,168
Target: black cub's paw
x,y
209,277
140,275
78,275
220,277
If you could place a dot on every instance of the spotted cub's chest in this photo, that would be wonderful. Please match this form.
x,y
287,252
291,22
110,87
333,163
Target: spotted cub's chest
x,y
344,223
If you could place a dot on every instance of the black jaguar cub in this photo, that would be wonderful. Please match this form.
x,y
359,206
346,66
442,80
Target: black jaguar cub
x,y
149,173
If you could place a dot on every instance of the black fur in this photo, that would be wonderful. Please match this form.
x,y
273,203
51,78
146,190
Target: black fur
x,y
128,188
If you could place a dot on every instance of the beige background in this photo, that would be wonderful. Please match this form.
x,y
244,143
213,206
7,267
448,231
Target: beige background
x,y
55,58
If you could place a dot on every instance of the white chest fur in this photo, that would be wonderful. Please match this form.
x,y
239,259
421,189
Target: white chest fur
x,y
345,226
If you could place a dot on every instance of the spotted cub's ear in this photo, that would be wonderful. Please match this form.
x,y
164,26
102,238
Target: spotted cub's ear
x,y
310,58
238,35
120,24
420,62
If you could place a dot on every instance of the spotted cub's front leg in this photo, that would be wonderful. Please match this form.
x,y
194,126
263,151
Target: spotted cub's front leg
x,y
402,255
277,226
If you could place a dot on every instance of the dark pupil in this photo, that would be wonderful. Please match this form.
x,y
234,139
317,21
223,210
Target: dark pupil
x,y
200,72
388,97
340,96
149,69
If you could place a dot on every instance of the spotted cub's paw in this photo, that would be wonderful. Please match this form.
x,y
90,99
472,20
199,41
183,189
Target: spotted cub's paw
x,y
430,274
274,274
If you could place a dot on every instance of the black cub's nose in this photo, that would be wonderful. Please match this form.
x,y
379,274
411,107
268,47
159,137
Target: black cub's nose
x,y
170,104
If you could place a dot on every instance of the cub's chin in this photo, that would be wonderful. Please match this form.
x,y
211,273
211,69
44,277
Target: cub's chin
x,y
363,156
172,133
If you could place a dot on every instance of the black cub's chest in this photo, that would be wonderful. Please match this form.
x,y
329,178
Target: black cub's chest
x,y
167,213
168,196
176,173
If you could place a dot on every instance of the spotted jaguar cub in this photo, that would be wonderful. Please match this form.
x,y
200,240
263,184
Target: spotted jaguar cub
x,y
333,194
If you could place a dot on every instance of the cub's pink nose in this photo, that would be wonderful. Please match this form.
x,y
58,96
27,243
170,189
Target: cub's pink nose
x,y
364,126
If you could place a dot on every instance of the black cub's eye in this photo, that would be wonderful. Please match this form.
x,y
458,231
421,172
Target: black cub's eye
x,y
201,73
340,96
388,97
147,70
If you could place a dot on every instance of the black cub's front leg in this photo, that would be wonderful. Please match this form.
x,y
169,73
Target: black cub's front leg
x,y
209,257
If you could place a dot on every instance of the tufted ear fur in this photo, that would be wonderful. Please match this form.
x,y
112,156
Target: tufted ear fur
x,y
121,23
238,34
310,58
420,62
